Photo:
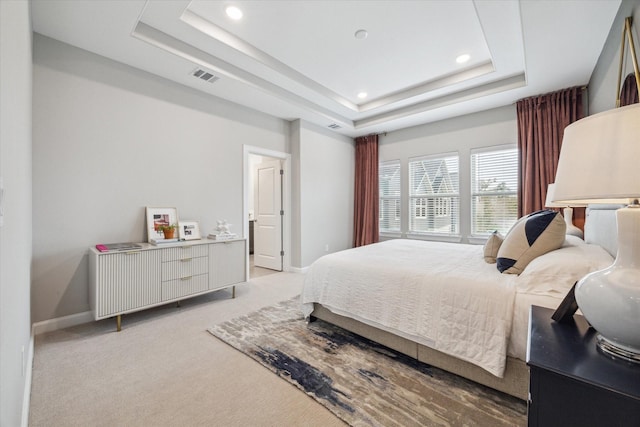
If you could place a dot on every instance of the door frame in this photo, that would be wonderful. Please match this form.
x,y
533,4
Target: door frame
x,y
286,199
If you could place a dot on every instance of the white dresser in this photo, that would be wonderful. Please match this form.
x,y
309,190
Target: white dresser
x,y
132,280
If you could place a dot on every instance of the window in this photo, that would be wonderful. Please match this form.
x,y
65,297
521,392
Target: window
x,y
494,186
389,187
421,208
434,196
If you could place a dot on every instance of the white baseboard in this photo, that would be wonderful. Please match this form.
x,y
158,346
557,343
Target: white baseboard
x,y
62,322
299,270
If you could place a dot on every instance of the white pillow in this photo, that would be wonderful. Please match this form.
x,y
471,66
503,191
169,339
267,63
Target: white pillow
x,y
555,272
530,237
491,247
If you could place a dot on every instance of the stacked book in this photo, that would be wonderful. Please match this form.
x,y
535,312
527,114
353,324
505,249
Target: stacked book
x,y
162,241
222,236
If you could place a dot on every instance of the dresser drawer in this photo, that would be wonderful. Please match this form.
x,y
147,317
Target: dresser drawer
x,y
184,267
177,288
183,252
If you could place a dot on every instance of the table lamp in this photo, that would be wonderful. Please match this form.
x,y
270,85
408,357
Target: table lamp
x,y
599,163
567,211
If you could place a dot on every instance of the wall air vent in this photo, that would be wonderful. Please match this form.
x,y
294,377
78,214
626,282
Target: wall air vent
x,y
334,126
205,75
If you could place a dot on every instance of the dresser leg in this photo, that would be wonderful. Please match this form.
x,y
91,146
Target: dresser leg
x,y
119,322
233,292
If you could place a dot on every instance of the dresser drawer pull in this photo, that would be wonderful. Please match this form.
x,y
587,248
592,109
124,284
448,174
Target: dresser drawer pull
x,y
186,278
186,259
133,253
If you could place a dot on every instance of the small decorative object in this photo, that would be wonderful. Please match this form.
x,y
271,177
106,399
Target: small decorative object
x,y
159,219
189,230
222,231
223,227
168,230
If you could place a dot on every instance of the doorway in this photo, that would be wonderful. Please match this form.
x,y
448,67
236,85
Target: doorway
x,y
267,215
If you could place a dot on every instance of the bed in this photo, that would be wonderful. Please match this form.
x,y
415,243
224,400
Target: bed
x,y
442,304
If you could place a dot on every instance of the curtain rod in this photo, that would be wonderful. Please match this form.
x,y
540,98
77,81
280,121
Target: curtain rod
x,y
585,87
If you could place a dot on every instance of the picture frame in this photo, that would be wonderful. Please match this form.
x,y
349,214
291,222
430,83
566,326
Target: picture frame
x,y
189,230
157,217
567,308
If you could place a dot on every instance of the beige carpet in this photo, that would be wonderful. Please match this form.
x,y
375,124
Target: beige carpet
x,y
164,369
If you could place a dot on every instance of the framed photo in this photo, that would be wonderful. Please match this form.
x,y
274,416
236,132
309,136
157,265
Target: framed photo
x,y
158,218
189,230
565,311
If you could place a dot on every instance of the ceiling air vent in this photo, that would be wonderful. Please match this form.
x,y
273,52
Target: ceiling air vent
x,y
334,126
205,75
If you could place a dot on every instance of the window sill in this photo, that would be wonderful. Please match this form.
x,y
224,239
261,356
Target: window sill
x,y
435,237
390,235
477,240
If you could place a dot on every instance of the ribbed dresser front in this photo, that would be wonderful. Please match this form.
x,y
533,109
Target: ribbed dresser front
x,y
185,271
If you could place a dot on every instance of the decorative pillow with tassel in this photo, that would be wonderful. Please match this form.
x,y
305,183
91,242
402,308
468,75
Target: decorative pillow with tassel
x,y
531,236
492,246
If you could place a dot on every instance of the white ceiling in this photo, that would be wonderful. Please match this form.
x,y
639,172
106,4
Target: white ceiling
x,y
301,59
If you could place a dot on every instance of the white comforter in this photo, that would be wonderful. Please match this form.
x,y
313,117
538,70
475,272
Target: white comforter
x,y
441,295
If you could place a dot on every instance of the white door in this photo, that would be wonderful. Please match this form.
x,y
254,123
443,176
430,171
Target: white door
x,y
267,228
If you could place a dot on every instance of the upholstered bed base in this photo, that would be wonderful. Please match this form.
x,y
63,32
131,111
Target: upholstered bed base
x,y
516,377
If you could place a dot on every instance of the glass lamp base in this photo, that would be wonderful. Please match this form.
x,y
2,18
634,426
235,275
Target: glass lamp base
x,y
610,349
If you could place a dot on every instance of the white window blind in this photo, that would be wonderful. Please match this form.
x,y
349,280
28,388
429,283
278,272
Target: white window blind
x,y
434,194
389,187
494,186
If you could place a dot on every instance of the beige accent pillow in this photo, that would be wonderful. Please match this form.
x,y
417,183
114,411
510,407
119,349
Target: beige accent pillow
x,y
491,247
530,237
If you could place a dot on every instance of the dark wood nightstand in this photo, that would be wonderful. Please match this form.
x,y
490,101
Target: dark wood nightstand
x,y
571,382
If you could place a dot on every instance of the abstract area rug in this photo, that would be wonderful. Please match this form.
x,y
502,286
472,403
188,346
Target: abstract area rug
x,y
361,382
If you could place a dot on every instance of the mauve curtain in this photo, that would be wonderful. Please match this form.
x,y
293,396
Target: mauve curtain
x,y
541,123
629,91
365,207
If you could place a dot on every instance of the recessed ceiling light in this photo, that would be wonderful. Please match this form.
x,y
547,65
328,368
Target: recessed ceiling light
x,y
463,58
362,95
361,34
233,12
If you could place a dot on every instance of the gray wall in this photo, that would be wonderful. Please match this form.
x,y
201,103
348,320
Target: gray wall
x,y
15,234
109,140
461,134
327,168
604,79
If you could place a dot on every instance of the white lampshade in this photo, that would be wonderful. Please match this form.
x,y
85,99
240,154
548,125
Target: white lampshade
x,y
599,164
551,203
599,158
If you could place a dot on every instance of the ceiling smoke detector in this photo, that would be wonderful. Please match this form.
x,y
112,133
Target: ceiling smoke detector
x,y
205,75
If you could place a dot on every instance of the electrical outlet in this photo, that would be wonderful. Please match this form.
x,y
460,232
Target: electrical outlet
x,y
326,247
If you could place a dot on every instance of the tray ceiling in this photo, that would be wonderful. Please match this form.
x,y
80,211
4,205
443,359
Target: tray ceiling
x,y
312,59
